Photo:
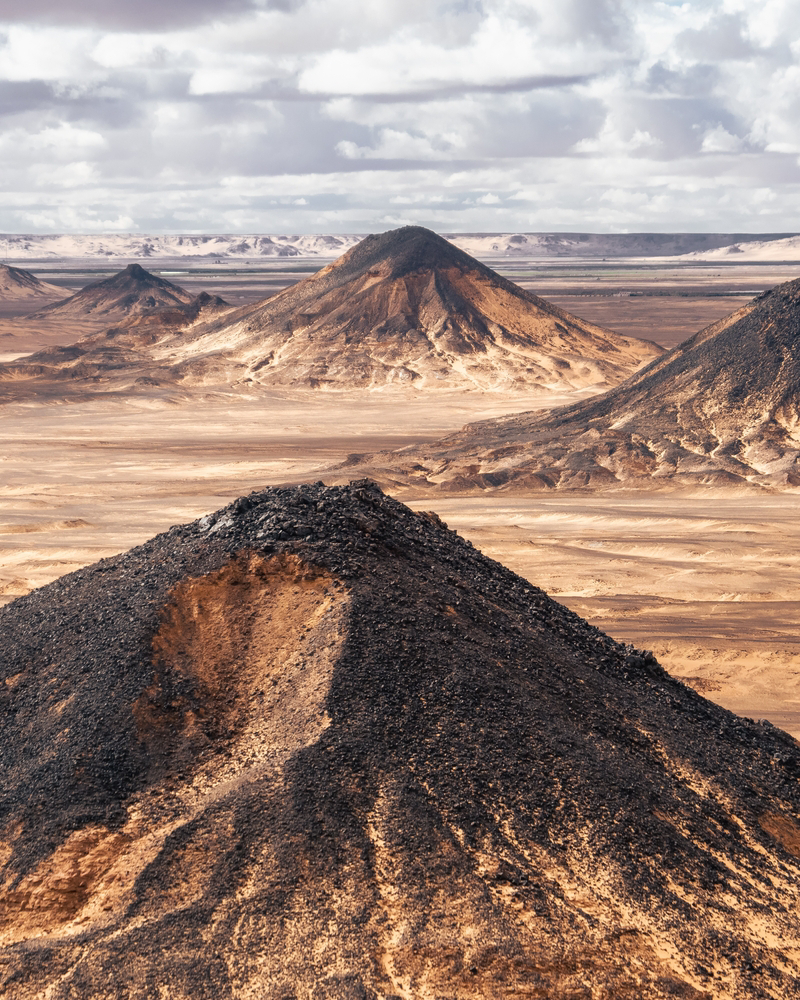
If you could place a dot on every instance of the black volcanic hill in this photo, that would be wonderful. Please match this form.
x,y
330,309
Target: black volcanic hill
x,y
408,307
723,407
315,745
403,308
133,291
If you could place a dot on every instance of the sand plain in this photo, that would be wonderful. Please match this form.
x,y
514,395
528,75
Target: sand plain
x,y
706,580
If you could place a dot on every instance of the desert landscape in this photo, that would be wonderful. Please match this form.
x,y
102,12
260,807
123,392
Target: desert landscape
x,y
702,574
399,471
507,396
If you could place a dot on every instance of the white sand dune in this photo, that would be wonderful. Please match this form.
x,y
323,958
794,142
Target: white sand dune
x,y
787,249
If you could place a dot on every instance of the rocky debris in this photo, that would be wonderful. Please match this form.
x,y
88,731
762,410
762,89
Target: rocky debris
x,y
315,744
723,408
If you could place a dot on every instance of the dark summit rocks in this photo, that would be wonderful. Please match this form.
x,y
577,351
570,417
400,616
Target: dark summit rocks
x,y
722,408
405,251
316,745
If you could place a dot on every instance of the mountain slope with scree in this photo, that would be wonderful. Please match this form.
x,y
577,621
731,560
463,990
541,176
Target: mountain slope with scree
x,y
315,745
723,408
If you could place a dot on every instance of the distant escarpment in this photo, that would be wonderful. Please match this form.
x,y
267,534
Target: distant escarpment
x,y
722,408
315,745
405,308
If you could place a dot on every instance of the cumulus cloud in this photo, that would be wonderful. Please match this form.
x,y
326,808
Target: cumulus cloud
x,y
218,115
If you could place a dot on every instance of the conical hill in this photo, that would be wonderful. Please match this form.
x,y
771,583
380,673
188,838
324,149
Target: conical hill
x,y
407,308
315,745
19,285
133,291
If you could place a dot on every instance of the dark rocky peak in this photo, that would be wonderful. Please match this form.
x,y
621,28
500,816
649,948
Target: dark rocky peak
x,y
133,290
137,272
410,249
10,276
134,276
740,362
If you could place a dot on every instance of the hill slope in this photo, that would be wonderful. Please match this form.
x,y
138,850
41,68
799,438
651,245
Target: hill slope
x,y
317,745
722,407
18,285
117,355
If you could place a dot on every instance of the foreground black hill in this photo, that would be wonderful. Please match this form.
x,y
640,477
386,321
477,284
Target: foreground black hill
x,y
316,745
721,408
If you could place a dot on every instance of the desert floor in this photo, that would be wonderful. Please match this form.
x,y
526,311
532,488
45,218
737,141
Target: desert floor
x,y
706,580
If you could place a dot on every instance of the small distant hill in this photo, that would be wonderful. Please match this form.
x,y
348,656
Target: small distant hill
x,y
121,353
18,285
721,408
133,291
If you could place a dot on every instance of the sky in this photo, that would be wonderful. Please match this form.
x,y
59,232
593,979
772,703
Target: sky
x,y
307,116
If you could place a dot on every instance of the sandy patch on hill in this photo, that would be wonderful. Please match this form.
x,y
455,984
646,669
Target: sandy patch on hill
x,y
258,641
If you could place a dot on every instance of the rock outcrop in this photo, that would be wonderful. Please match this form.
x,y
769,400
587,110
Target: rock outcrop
x,y
315,745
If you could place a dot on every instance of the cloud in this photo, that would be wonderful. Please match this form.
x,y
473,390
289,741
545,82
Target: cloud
x,y
336,114
144,15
